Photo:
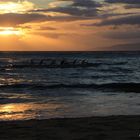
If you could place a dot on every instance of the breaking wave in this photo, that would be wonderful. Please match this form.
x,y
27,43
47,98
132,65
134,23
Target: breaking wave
x,y
124,87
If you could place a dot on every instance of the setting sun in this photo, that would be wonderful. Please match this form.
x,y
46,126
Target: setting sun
x,y
10,31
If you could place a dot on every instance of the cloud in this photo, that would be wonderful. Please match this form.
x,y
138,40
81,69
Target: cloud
x,y
124,1
122,35
47,28
77,8
15,7
62,20
129,6
74,11
55,35
127,20
129,3
13,19
8,0
86,3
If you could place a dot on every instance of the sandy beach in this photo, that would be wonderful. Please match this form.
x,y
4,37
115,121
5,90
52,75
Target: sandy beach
x,y
92,128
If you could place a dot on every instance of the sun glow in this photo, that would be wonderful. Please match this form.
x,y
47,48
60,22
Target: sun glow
x,y
11,31
14,7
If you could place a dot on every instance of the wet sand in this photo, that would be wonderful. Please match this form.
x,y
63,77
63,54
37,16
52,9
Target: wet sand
x,y
92,128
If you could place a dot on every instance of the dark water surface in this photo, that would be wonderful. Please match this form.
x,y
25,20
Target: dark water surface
x,y
111,87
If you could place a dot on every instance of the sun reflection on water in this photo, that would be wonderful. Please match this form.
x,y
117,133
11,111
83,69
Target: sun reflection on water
x,y
25,111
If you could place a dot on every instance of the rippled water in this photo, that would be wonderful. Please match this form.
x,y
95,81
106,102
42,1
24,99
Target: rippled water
x,y
110,88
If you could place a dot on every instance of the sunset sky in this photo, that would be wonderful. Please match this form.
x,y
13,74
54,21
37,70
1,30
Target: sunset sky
x,y
69,25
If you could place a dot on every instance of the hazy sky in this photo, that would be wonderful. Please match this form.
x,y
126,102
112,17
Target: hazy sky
x,y
69,25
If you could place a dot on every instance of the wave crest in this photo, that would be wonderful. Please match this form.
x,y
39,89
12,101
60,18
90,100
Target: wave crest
x,y
122,87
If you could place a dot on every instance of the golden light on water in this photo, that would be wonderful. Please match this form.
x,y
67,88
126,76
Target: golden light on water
x,y
23,111
15,111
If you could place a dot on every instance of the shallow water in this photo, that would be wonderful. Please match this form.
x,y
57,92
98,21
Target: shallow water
x,y
111,88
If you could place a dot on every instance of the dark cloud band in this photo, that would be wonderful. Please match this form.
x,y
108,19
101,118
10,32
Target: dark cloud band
x,y
124,1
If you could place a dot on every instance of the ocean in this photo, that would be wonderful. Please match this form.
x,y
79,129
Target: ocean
x,y
109,86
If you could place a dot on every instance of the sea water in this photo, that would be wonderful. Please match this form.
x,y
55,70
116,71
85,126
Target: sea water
x,y
111,87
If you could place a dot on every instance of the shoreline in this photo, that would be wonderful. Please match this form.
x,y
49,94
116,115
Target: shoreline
x,y
84,128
